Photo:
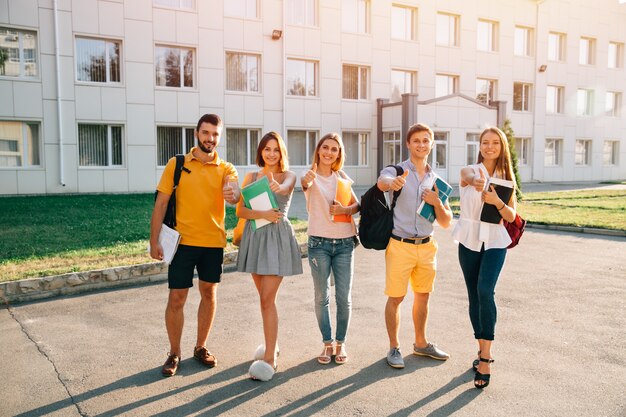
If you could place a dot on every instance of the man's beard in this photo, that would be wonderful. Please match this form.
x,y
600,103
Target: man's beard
x,y
204,148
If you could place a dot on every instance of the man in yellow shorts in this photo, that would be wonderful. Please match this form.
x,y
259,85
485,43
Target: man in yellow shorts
x,y
206,181
411,254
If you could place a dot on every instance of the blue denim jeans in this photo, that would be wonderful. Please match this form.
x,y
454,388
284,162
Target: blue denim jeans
x,y
326,254
481,271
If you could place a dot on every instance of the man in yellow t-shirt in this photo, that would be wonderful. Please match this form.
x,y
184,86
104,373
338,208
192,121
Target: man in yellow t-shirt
x,y
206,181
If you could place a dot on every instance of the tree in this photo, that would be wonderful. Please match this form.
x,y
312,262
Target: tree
x,y
510,134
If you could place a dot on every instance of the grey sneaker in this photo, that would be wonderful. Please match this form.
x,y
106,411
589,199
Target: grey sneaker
x,y
394,358
432,351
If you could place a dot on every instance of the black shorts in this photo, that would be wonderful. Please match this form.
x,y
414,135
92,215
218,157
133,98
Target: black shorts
x,y
208,262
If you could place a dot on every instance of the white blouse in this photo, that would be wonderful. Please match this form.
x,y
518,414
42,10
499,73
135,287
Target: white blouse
x,y
469,230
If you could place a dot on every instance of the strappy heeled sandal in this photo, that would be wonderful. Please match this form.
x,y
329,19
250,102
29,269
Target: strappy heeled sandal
x,y
325,357
482,377
341,356
475,363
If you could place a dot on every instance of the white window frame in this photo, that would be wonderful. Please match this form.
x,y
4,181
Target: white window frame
x,y
487,35
307,67
523,151
249,88
472,148
451,81
582,152
181,66
615,55
553,153
557,46
362,146
392,138
185,143
440,143
523,41
22,61
311,137
362,71
359,20
303,15
406,28
109,145
587,51
251,8
107,59
175,4
610,153
492,90
555,99
251,147
24,151
613,103
409,83
584,102
526,91
448,28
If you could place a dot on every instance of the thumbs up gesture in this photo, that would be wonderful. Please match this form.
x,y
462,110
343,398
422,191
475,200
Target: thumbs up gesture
x,y
337,208
479,182
274,185
228,191
399,181
308,178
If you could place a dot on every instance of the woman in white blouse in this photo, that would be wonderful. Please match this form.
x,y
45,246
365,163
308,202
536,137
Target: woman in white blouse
x,y
482,246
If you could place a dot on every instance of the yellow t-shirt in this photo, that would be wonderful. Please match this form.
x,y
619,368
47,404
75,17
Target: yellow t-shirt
x,y
199,201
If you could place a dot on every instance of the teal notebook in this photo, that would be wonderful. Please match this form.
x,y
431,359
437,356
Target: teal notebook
x,y
259,196
426,210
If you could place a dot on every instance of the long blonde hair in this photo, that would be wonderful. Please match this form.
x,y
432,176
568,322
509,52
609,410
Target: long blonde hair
x,y
504,166
338,164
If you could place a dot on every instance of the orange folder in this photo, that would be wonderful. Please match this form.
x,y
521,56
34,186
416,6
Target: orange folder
x,y
343,195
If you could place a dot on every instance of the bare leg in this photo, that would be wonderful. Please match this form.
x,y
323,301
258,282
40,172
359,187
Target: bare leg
x,y
392,320
267,286
206,311
485,353
175,319
420,318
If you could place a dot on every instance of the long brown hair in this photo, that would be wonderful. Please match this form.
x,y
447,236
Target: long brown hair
x,y
504,166
284,160
338,164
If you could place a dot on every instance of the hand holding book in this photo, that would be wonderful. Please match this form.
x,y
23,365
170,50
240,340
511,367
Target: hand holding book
x,y
498,192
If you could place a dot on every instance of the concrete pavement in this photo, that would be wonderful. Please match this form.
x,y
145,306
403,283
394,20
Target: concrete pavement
x,y
560,346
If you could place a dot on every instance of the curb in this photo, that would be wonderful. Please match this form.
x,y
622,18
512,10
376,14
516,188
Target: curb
x,y
34,289
577,229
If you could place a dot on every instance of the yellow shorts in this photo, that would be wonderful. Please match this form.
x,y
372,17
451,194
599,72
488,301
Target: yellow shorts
x,y
406,262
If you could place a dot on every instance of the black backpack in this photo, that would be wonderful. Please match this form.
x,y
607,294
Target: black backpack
x,y
170,214
376,221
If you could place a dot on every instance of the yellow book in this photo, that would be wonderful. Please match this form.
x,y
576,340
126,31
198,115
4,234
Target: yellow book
x,y
343,196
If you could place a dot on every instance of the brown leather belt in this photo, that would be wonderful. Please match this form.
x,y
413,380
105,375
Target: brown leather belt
x,y
416,241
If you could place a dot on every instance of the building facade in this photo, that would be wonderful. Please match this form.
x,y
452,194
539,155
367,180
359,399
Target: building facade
x,y
97,95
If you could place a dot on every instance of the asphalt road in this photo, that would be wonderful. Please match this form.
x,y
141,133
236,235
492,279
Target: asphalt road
x,y
560,346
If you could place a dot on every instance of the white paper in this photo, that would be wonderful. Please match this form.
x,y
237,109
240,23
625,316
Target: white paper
x,y
261,202
169,239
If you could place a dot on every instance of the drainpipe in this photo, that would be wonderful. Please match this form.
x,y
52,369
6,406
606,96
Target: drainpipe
x,y
58,81
535,69
284,77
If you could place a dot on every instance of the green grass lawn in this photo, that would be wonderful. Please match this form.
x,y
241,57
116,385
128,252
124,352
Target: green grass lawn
x,y
47,235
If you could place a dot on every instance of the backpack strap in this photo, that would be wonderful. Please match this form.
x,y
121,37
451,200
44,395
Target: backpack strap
x,y
180,161
396,194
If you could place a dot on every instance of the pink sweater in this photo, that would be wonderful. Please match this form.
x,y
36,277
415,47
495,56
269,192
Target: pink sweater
x,y
319,197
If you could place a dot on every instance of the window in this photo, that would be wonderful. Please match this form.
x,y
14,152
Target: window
x,y
486,90
610,152
97,60
584,102
402,82
392,148
177,4
355,15
301,146
523,41
355,82
242,72
19,144
172,140
616,55
555,96
447,29
583,152
99,145
552,154
301,78
174,66
356,146
241,8
472,148
18,53
556,46
302,12
613,103
241,146
522,149
521,96
587,51
446,85
403,22
487,35
438,157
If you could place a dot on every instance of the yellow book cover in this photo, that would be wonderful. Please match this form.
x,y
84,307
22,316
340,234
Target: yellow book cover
x,y
343,196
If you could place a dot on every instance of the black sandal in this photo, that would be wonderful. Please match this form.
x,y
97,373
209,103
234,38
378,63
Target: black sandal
x,y
475,363
482,377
